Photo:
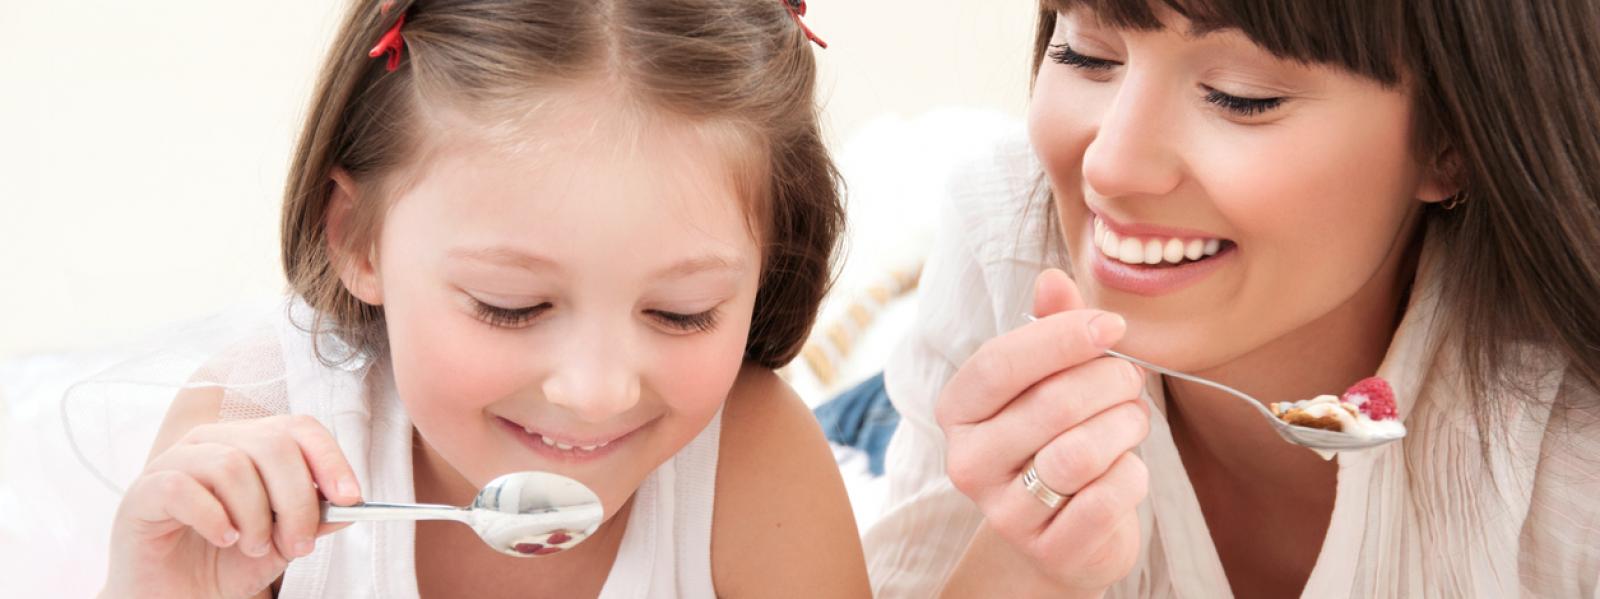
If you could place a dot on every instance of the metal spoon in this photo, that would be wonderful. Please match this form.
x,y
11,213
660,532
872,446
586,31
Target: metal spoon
x,y
522,514
1323,441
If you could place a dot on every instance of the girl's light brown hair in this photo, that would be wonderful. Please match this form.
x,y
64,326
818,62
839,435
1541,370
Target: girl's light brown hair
x,y
1508,88
740,65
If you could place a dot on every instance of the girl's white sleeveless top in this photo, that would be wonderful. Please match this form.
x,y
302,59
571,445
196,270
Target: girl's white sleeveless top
x,y
665,552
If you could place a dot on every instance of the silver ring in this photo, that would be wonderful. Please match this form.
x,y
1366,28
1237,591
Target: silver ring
x,y
1050,497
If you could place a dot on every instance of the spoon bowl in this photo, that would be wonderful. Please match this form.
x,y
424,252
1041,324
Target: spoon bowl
x,y
522,514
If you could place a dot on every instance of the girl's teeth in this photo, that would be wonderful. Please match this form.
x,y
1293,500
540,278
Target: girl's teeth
x,y
1132,250
564,446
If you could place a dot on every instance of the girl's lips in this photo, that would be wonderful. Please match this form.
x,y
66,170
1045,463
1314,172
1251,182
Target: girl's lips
x,y
1150,279
562,450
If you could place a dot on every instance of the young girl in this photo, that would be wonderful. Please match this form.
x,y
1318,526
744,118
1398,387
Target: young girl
x,y
553,235
1286,197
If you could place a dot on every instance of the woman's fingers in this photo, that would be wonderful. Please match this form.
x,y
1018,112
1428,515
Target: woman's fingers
x,y
1086,453
1067,465
1054,291
1097,515
1007,365
1058,403
172,496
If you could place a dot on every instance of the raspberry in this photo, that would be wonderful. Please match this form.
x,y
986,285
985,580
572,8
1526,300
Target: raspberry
x,y
1373,396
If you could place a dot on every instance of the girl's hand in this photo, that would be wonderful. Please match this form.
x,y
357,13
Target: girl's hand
x,y
222,511
1045,394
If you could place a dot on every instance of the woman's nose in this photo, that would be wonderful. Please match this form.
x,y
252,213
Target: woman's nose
x,y
1133,150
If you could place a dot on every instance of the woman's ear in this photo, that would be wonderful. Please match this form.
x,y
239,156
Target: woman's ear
x,y
357,266
1441,178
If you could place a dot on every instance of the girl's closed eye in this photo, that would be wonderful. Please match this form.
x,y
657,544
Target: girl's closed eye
x,y
699,322
508,317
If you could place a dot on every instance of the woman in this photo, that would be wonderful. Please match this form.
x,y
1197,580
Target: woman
x,y
1286,198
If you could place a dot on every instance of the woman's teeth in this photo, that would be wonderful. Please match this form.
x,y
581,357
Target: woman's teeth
x,y
1151,250
564,446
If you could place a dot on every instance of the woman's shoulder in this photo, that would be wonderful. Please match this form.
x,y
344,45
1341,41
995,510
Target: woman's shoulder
x,y
996,190
782,518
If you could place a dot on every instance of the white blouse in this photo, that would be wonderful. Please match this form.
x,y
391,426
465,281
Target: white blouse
x,y
1412,519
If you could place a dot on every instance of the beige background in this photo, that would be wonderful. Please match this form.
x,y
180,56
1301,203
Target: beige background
x,y
143,144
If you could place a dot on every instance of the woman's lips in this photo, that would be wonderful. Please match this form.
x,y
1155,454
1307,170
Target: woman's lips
x,y
565,448
1152,261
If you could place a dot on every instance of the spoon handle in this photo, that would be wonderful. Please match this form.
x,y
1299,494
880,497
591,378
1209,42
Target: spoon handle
x,y
372,510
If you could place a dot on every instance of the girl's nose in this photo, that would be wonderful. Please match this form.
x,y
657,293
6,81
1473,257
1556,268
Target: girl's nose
x,y
596,382
1132,153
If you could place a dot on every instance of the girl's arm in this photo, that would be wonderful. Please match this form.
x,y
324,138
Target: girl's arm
x,y
782,525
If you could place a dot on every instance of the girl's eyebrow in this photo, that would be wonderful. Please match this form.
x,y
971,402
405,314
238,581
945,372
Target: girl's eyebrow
x,y
505,256
508,256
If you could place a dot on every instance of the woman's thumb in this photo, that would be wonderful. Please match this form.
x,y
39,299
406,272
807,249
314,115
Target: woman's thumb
x,y
1054,291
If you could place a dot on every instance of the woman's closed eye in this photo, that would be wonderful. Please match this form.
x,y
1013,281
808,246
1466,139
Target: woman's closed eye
x,y
1241,105
1064,54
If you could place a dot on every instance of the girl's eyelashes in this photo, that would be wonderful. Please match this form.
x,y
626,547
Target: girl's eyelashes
x,y
688,323
508,317
1240,105
1064,54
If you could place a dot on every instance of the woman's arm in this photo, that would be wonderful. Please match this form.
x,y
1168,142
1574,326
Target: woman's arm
x,y
782,524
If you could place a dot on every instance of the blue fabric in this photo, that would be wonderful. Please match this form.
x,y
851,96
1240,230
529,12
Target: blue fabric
x,y
861,417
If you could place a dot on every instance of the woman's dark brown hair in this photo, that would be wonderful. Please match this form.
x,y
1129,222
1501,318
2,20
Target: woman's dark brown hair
x,y
737,65
1511,90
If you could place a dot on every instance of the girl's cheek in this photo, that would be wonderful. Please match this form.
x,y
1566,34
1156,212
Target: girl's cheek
x,y
696,376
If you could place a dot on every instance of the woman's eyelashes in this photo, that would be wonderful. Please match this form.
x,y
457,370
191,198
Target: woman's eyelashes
x,y
1241,106
519,317
1064,54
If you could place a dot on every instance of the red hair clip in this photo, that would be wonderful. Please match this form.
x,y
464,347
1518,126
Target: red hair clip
x,y
392,41
797,9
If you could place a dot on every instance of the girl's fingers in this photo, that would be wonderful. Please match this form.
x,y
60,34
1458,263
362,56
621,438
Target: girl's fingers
x,y
329,468
1007,365
231,475
287,479
174,496
1004,443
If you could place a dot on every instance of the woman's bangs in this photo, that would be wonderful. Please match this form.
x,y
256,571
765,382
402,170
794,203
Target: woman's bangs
x,y
1358,36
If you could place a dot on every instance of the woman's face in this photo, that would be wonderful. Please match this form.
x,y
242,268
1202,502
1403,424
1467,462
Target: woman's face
x,y
1218,197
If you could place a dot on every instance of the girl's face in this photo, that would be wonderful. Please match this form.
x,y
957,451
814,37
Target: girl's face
x,y
1218,197
575,304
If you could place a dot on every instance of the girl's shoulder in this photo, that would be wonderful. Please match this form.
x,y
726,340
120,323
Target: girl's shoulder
x,y
782,518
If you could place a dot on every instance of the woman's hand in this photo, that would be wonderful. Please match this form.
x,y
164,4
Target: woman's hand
x,y
1045,394
222,511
